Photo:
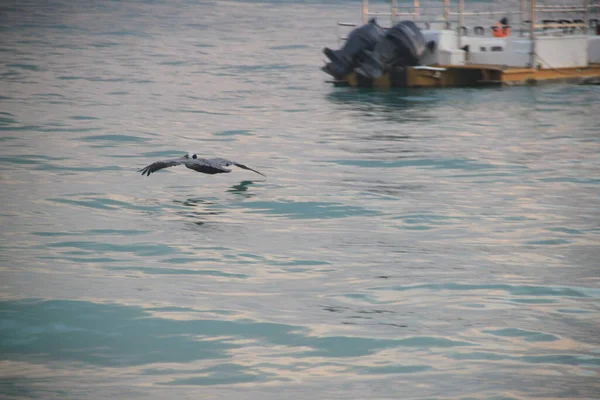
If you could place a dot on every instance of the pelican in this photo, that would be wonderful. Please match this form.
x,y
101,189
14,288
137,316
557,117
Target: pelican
x,y
209,166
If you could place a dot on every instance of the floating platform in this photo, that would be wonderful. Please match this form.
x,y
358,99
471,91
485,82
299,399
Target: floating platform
x,y
548,43
474,75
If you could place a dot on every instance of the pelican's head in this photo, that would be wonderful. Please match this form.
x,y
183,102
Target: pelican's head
x,y
191,155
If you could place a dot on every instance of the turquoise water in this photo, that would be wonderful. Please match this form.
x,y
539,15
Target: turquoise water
x,y
438,244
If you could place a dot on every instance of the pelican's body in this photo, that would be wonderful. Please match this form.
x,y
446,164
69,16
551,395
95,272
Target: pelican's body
x,y
209,166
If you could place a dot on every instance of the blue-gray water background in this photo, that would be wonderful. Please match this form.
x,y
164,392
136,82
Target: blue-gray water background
x,y
406,244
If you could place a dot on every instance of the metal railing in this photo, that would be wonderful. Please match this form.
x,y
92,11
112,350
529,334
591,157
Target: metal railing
x,y
393,14
528,10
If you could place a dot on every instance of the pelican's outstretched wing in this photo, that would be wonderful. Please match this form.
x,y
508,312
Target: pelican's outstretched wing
x,y
155,166
227,163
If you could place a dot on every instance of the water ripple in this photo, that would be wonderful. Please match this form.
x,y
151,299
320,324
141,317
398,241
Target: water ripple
x,y
307,209
518,290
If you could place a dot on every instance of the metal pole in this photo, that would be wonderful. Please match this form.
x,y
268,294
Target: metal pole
x,y
522,16
461,16
394,11
416,12
532,33
461,20
586,16
446,10
365,11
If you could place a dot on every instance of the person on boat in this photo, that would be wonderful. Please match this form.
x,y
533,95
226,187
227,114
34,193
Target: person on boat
x,y
501,29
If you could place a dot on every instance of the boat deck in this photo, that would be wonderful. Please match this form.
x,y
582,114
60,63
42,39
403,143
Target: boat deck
x,y
475,75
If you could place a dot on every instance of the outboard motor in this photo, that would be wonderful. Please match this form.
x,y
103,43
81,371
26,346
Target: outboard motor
x,y
344,60
402,46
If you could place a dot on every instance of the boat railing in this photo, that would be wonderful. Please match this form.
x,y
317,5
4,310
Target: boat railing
x,y
453,15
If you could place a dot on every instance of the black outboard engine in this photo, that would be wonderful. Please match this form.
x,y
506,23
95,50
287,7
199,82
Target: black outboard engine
x,y
402,46
344,60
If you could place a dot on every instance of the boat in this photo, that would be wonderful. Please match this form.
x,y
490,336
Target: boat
x,y
547,43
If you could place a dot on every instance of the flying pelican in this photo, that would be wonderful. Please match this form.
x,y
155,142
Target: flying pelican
x,y
209,166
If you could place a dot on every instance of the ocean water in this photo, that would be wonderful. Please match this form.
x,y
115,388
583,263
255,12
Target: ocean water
x,y
406,244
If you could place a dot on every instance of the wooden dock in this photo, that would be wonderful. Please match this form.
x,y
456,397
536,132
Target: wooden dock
x,y
475,75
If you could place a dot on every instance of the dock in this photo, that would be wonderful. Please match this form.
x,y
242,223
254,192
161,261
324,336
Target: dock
x,y
473,75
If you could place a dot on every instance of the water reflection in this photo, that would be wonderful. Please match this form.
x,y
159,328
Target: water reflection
x,y
203,210
193,202
241,189
397,105
384,189
199,210
115,335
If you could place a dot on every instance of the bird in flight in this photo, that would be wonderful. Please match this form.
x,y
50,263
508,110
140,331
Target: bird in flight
x,y
209,166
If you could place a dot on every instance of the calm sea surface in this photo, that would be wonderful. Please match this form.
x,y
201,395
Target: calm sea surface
x,y
407,244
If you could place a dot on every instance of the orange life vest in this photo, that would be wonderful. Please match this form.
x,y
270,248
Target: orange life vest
x,y
500,30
